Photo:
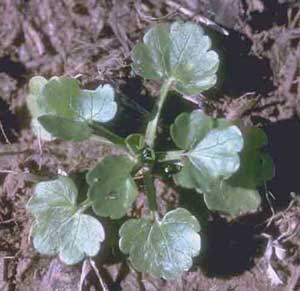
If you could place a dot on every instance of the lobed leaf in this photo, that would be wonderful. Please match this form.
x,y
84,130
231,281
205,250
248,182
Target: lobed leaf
x,y
238,195
232,200
162,248
216,155
226,165
180,52
60,226
74,109
112,189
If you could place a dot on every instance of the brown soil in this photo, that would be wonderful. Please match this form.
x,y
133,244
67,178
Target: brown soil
x,y
259,82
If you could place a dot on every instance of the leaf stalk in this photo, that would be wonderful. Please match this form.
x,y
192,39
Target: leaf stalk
x,y
150,189
106,133
84,205
151,130
169,156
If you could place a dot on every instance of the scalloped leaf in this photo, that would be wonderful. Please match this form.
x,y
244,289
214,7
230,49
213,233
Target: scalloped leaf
x,y
62,98
238,195
216,155
112,189
180,52
232,200
60,226
162,248
229,191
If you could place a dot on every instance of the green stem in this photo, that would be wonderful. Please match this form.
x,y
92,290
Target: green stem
x,y
85,204
169,156
121,147
150,190
106,133
152,125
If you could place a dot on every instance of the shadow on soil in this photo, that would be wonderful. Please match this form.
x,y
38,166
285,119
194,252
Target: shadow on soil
x,y
14,69
10,123
240,70
284,146
273,13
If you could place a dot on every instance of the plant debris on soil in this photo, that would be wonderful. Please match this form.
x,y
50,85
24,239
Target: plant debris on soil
x,y
259,81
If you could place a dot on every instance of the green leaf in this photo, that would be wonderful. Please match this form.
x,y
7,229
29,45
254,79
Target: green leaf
x,y
162,248
229,189
112,189
135,143
97,105
62,98
216,155
40,131
60,226
232,200
238,195
59,96
256,166
150,59
189,128
180,52
212,154
64,128
190,177
36,85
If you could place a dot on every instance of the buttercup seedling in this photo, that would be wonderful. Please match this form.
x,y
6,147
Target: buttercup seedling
x,y
220,159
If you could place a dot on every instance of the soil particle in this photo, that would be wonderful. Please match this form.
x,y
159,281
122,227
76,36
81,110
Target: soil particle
x,y
51,275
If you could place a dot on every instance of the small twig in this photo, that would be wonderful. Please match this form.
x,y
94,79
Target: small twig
x,y
276,216
40,147
10,172
198,18
33,36
294,279
84,272
241,105
293,22
267,194
4,134
92,262
27,176
7,221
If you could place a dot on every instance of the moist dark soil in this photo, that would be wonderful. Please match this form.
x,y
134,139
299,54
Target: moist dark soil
x,y
259,81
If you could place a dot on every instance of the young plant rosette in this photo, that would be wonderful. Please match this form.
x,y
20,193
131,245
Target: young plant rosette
x,y
220,159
